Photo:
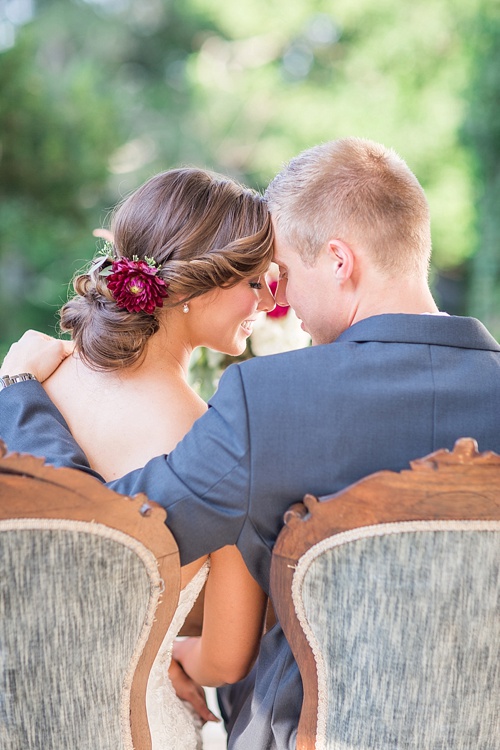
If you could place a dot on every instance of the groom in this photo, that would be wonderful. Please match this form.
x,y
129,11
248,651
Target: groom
x,y
389,379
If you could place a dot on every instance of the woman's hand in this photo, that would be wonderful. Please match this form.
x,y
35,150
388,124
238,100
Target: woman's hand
x,y
189,690
36,353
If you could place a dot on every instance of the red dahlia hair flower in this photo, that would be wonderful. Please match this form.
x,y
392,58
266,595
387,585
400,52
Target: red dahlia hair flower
x,y
279,311
136,286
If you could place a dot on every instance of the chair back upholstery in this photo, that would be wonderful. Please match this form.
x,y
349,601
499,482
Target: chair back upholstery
x,y
389,594
89,581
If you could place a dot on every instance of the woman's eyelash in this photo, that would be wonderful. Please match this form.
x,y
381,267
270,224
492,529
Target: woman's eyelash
x,y
255,285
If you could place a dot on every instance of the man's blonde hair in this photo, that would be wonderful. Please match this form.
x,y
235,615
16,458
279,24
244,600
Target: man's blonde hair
x,y
358,191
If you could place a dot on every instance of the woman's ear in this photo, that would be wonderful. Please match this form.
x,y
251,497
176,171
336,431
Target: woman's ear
x,y
342,258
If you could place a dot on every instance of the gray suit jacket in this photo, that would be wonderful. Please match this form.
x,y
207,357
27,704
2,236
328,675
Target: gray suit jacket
x,y
390,389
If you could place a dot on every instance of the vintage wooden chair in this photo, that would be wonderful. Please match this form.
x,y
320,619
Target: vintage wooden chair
x,y
89,581
389,594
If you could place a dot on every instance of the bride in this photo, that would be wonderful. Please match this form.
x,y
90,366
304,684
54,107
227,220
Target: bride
x,y
186,268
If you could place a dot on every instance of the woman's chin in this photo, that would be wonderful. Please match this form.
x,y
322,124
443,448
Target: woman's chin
x,y
237,348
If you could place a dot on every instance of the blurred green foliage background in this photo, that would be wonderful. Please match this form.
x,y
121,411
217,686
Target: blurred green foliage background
x,y
98,95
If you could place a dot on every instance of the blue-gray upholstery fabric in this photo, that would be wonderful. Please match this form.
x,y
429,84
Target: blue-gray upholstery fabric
x,y
391,388
407,627
74,606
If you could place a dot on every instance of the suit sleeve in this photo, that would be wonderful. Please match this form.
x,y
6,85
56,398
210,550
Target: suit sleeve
x,y
203,484
30,423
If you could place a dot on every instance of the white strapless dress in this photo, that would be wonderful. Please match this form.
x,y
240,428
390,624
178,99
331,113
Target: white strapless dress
x,y
173,723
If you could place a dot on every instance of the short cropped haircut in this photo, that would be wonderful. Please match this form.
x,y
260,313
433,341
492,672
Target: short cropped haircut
x,y
358,191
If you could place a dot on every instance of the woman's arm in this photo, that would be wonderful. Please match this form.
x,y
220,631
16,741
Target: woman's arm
x,y
233,622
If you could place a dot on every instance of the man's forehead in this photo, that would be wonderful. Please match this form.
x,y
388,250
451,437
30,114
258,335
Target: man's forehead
x,y
282,251
277,258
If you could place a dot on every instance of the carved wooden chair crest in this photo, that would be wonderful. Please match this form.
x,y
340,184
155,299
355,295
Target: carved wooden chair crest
x,y
89,581
389,594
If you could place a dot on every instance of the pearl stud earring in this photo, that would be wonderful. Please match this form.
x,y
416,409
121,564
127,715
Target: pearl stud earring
x,y
185,307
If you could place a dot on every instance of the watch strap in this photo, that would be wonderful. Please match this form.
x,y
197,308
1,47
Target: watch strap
x,y
6,380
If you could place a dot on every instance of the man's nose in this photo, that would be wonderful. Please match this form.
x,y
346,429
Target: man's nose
x,y
280,294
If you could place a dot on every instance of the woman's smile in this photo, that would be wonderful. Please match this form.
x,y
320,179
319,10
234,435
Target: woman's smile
x,y
247,326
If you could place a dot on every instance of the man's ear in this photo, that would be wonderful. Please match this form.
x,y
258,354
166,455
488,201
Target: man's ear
x,y
342,258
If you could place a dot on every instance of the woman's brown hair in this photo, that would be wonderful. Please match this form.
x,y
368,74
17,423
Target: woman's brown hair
x,y
205,231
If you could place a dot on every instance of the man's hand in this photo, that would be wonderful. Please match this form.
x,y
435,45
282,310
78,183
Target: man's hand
x,y
36,353
189,690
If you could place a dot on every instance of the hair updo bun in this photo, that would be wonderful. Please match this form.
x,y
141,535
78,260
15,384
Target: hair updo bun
x,y
201,229
106,337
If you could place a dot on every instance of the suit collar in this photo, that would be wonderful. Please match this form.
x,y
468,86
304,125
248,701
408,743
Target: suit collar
x,y
440,330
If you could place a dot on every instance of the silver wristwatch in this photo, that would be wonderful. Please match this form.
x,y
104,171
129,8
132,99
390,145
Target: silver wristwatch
x,y
7,380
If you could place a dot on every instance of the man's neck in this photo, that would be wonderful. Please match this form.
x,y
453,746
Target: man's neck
x,y
412,298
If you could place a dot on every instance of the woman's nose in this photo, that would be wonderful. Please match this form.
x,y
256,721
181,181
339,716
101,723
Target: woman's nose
x,y
266,298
